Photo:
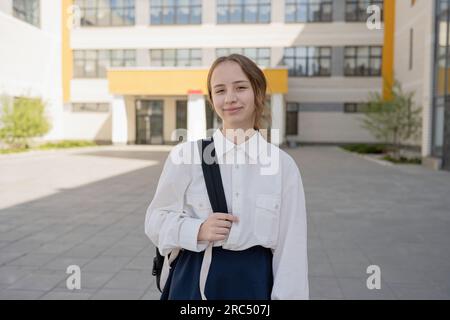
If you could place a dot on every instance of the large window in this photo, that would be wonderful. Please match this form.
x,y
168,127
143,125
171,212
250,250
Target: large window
x,y
363,61
176,11
175,57
441,79
356,10
243,11
106,12
90,107
292,109
28,11
308,11
94,63
308,61
261,56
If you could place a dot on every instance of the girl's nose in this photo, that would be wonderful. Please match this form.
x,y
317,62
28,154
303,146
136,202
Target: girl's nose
x,y
230,97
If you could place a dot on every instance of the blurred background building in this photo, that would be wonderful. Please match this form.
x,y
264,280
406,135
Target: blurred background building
x,y
132,71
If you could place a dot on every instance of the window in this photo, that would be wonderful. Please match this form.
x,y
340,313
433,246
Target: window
x,y
90,107
308,61
355,107
243,11
261,56
356,10
363,61
175,57
102,13
411,48
308,11
292,110
181,114
28,11
94,63
175,12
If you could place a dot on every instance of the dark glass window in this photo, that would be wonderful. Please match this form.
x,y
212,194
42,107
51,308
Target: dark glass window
x,y
105,13
292,110
363,61
243,11
175,12
308,11
175,57
308,61
181,114
28,11
261,56
356,10
90,107
357,107
94,63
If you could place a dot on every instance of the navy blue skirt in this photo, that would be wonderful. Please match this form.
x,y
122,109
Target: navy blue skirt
x,y
245,274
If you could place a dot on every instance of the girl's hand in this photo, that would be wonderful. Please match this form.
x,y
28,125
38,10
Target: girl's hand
x,y
216,227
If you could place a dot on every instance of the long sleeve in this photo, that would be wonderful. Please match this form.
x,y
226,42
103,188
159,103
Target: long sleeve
x,y
290,261
166,223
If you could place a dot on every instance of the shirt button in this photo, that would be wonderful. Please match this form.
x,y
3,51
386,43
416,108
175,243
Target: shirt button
x,y
276,206
236,194
237,167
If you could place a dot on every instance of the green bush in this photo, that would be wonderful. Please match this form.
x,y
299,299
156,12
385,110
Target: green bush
x,y
366,148
21,120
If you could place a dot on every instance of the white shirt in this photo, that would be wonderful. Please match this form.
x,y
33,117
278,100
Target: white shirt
x,y
262,186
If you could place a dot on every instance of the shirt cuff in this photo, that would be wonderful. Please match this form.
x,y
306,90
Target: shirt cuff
x,y
189,233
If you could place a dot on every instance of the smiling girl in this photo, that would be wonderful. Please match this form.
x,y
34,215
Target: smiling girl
x,y
257,250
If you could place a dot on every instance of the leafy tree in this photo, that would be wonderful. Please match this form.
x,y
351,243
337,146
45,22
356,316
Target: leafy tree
x,y
395,120
22,119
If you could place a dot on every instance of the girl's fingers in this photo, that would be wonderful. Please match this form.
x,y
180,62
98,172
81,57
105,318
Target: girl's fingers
x,y
227,216
223,223
222,231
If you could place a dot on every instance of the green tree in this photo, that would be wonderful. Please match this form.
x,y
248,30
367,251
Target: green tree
x,y
393,121
22,119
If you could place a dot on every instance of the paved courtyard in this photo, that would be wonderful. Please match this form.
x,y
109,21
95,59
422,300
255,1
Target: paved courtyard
x,y
86,207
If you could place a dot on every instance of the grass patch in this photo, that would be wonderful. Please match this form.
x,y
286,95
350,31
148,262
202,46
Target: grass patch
x,y
403,160
7,151
66,144
365,148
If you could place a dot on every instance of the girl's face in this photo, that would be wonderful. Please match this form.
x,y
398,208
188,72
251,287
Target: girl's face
x,y
233,96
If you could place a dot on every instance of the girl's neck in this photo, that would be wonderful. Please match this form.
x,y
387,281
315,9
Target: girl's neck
x,y
237,135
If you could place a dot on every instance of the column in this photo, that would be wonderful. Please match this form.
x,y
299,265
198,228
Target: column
x,y
278,118
142,12
119,120
51,25
196,117
339,8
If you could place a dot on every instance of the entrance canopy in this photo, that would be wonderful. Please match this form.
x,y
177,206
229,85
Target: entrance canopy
x,y
178,80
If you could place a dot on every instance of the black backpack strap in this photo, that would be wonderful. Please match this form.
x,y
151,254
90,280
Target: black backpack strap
x,y
213,179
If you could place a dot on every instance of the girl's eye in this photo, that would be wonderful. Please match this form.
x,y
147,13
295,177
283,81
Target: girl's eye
x,y
219,91
242,88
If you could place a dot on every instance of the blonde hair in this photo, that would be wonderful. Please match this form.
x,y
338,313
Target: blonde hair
x,y
258,82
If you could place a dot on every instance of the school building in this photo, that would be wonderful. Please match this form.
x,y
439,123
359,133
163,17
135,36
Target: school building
x,y
133,71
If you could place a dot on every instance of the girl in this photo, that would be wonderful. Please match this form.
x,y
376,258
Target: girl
x,y
257,250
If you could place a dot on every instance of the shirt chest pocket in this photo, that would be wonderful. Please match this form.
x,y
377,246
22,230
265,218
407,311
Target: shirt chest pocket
x,y
199,204
266,218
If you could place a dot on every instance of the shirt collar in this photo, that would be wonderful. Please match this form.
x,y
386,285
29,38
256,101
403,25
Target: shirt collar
x,y
252,147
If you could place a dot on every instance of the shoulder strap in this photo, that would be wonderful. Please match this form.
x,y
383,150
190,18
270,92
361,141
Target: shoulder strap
x,y
213,179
